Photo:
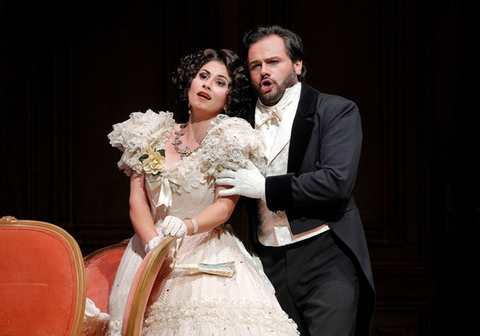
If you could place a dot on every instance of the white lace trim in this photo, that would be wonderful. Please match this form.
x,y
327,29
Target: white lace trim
x,y
141,130
229,143
209,317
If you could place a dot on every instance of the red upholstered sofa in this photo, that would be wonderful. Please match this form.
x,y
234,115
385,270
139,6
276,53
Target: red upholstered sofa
x,y
44,280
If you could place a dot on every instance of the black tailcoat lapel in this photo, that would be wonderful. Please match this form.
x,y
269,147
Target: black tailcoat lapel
x,y
301,128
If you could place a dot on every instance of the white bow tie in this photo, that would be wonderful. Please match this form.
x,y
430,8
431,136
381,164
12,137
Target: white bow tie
x,y
267,116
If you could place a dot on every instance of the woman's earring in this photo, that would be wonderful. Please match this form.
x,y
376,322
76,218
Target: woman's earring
x,y
225,109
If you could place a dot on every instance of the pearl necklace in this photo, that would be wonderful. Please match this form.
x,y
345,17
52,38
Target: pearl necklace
x,y
185,151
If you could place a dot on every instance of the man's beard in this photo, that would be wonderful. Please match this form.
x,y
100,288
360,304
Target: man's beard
x,y
274,96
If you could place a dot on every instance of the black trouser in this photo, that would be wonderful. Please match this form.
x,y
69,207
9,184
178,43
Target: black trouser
x,y
316,284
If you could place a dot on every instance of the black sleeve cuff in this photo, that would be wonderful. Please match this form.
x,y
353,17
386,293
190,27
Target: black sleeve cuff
x,y
278,192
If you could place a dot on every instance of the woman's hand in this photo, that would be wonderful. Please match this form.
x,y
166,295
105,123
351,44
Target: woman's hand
x,y
173,226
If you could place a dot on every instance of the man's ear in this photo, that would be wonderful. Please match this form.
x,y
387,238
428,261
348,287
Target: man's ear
x,y
298,66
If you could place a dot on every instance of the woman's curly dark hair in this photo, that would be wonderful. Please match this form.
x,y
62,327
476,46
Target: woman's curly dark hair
x,y
239,98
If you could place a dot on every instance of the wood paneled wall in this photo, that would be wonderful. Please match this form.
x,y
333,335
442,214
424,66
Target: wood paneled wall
x,y
70,71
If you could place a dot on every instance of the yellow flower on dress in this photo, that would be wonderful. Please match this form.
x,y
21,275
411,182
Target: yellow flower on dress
x,y
153,161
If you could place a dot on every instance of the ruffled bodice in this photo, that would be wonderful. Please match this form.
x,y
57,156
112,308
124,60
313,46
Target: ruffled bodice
x,y
229,143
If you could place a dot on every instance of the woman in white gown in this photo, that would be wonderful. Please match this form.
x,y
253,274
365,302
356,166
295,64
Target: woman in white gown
x,y
173,168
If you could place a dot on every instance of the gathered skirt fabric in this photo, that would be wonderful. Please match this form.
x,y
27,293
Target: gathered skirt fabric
x,y
187,302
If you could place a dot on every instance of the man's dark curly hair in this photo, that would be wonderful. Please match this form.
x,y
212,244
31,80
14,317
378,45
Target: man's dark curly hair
x,y
293,44
238,97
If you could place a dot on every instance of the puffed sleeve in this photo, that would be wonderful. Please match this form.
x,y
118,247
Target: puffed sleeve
x,y
136,134
229,145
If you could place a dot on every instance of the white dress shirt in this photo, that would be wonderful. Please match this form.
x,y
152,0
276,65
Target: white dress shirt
x,y
275,124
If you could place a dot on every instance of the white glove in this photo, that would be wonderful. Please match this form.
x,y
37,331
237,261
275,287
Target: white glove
x,y
91,311
246,182
173,226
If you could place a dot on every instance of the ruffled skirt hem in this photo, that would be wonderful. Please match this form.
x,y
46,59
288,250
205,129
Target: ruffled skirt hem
x,y
214,318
